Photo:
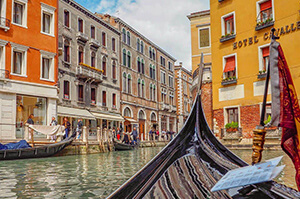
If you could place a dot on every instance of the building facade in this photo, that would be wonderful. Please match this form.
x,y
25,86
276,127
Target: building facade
x,y
240,53
183,95
201,43
141,83
28,69
89,68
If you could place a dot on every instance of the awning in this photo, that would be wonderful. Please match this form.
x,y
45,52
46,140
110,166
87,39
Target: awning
x,y
265,5
74,112
131,120
230,64
108,116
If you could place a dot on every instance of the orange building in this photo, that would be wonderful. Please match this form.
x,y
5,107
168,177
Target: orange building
x,y
28,64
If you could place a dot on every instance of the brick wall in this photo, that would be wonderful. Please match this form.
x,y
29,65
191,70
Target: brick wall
x,y
218,121
206,98
250,117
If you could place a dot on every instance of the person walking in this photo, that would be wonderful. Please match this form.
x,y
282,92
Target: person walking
x,y
30,119
118,133
79,128
134,134
163,134
67,127
53,123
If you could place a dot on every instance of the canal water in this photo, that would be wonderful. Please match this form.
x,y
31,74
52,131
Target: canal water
x,y
91,176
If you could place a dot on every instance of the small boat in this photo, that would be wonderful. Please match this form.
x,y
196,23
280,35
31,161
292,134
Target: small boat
x,y
191,164
36,152
122,146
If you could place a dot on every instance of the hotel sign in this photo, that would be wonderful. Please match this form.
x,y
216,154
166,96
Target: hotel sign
x,y
279,32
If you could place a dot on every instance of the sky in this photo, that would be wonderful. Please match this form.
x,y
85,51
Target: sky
x,y
164,22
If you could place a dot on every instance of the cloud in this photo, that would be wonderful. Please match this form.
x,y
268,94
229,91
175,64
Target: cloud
x,y
162,21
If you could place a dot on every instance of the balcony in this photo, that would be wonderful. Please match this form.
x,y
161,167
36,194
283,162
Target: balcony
x,y
86,71
4,23
227,37
82,37
228,81
95,43
164,106
173,108
4,75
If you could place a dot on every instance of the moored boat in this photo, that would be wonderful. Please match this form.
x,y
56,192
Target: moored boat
x,y
122,146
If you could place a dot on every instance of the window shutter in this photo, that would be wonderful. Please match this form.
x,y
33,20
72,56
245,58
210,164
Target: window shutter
x,y
230,64
266,5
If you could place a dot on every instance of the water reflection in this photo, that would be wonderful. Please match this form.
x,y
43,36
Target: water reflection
x,y
287,176
83,176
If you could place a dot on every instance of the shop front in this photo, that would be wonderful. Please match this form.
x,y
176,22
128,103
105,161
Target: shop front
x,y
108,120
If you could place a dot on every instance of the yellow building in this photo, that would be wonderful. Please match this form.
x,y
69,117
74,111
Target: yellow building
x,y
239,45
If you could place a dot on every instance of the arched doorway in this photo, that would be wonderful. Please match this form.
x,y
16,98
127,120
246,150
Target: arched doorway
x,y
141,118
153,120
127,124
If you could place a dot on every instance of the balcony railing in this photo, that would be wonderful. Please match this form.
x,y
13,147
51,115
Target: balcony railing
x,y
4,74
264,19
4,23
81,36
86,71
95,43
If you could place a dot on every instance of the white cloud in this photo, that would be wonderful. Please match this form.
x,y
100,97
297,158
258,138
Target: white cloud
x,y
162,21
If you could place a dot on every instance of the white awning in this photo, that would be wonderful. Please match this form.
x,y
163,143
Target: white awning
x,y
74,112
108,116
131,120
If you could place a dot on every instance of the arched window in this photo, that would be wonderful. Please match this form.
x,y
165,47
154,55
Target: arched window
x,y
138,44
143,66
141,115
129,83
151,92
124,82
80,54
139,64
153,71
67,51
143,88
93,59
124,57
129,59
128,37
150,53
142,47
114,70
127,112
150,71
139,87
124,35
153,117
154,93
153,54
104,66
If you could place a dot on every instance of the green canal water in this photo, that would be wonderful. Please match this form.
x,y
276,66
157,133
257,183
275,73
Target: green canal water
x,y
90,176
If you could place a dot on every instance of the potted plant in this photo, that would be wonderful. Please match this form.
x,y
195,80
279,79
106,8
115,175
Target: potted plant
x,y
232,127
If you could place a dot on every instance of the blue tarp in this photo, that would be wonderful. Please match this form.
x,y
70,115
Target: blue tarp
x,y
19,145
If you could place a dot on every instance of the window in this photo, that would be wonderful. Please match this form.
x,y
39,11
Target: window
x,y
228,25
114,100
93,32
18,61
47,19
124,35
114,70
170,65
103,98
138,44
142,47
266,12
171,99
20,12
171,81
80,54
93,59
143,88
128,37
129,83
230,67
129,59
143,66
104,66
67,51
124,57
103,38
153,54
232,115
113,44
151,92
139,64
163,61
66,90
150,53
127,112
185,88
80,25
93,95
154,93
67,18
204,37
139,88
46,64
124,82
265,58
162,77
151,71
80,93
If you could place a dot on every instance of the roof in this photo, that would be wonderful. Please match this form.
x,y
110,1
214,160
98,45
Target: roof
x,y
199,13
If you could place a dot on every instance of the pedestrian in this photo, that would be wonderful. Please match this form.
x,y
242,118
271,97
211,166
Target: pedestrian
x,y
156,135
53,123
134,134
67,126
30,119
163,134
118,133
79,128
114,133
126,138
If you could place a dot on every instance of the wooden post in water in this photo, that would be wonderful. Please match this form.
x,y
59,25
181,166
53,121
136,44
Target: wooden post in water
x,y
85,137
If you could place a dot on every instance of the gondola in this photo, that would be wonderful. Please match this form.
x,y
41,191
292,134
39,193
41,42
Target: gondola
x,y
122,146
36,152
191,164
